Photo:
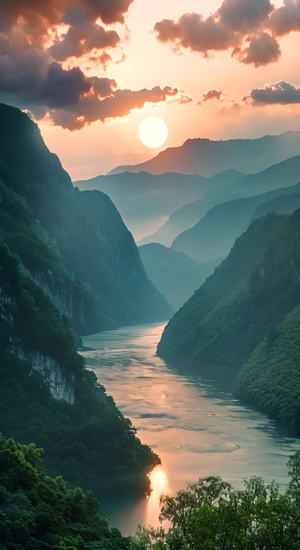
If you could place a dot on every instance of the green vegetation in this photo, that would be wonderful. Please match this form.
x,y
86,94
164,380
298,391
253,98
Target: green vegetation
x,y
240,305
95,249
211,515
89,442
270,379
64,256
38,512
40,258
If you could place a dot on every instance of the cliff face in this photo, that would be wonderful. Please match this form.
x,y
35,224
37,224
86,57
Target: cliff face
x,y
61,384
101,282
47,396
64,255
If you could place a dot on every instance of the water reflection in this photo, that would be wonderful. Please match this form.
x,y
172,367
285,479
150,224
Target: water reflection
x,y
159,488
197,429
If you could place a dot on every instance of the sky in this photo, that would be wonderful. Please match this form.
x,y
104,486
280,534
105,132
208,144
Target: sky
x,y
90,71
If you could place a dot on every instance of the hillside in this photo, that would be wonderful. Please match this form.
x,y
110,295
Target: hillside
x,y
86,231
48,397
145,201
174,274
243,302
206,157
189,214
39,511
274,178
213,236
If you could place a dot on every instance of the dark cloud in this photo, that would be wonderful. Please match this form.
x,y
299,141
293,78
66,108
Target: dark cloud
x,y
244,15
281,93
261,50
79,40
196,33
246,27
29,79
286,18
212,94
39,14
32,75
120,103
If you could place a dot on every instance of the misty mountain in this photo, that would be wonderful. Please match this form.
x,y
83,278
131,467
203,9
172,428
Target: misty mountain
x,y
245,319
95,249
213,236
173,273
282,174
206,157
145,201
189,214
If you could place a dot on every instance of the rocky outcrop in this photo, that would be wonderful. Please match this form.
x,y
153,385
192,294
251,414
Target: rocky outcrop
x,y
60,383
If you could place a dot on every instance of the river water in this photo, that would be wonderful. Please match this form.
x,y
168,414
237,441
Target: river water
x,y
196,428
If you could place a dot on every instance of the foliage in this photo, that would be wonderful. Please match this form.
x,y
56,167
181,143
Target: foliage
x,y
91,443
39,512
270,379
212,515
243,303
39,257
93,244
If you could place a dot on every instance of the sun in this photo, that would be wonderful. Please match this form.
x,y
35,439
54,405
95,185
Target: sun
x,y
153,132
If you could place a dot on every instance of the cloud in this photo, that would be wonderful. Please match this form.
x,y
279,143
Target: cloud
x,y
29,79
82,39
281,93
212,94
196,33
37,40
249,28
244,16
119,103
286,18
261,50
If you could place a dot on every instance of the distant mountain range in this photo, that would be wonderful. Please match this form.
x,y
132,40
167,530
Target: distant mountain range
x,y
280,175
173,273
205,157
144,200
213,236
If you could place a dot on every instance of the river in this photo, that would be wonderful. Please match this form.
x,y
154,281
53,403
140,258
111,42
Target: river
x,y
196,428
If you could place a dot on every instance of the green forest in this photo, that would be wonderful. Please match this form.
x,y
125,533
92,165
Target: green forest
x,y
39,512
233,321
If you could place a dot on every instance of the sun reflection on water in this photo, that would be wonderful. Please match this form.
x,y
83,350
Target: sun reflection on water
x,y
159,481
159,487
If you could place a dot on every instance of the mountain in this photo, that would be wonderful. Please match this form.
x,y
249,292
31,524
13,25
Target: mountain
x,y
213,236
285,173
65,257
174,274
47,396
95,249
283,204
206,157
246,303
145,200
189,214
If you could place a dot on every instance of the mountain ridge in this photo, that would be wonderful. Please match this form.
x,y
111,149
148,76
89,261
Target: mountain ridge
x,y
181,159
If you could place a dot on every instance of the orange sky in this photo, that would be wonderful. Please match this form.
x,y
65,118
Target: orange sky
x,y
100,146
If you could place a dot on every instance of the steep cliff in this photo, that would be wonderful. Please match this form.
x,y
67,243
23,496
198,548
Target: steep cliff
x,y
47,396
92,244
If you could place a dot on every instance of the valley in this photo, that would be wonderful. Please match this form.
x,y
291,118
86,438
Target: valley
x,y
193,422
